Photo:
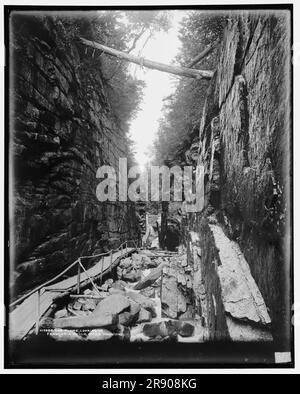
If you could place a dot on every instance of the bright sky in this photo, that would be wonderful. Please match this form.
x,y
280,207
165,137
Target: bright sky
x,y
163,47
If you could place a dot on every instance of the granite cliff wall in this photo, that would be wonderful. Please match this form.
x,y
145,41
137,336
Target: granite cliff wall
x,y
61,130
244,150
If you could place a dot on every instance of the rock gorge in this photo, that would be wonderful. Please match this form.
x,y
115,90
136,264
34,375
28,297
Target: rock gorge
x,y
233,274
244,150
63,129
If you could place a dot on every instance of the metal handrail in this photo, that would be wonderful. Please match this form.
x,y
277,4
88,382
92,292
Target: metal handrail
x,y
78,261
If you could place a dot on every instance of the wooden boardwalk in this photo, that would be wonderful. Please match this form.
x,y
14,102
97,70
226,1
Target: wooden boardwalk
x,y
23,318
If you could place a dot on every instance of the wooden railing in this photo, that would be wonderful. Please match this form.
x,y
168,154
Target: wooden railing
x,y
80,266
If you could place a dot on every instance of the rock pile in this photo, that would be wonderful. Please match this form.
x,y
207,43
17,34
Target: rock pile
x,y
130,268
129,305
177,289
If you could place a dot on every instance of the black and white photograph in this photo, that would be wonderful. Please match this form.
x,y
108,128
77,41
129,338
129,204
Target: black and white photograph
x,y
149,186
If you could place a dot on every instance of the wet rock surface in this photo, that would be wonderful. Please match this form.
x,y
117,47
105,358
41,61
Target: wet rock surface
x,y
141,310
171,301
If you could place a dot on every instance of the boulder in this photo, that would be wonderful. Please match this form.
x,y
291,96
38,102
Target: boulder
x,y
151,278
126,318
173,300
77,305
114,290
151,263
189,282
119,272
89,305
103,315
137,335
148,292
126,263
148,263
46,323
145,302
155,330
188,314
119,284
132,276
61,313
104,287
78,313
123,332
170,328
184,262
102,294
186,329
134,308
129,318
181,279
144,316
181,328
112,305
137,260
90,321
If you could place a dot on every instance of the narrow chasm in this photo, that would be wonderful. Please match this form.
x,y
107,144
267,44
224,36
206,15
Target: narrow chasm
x,y
97,253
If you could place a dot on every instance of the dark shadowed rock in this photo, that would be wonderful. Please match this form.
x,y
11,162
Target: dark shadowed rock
x,y
126,318
155,330
112,305
132,276
185,329
170,328
145,302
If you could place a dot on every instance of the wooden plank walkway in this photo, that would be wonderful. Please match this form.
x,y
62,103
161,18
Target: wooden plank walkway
x,y
23,318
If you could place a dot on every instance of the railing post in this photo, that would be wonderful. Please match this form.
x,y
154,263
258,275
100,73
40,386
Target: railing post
x,y
37,324
126,247
161,284
111,257
78,278
102,270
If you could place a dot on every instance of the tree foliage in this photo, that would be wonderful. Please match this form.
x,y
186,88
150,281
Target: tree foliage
x,y
182,110
121,30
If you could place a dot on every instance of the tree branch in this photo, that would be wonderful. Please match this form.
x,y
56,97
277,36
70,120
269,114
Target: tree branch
x,y
183,71
136,38
202,54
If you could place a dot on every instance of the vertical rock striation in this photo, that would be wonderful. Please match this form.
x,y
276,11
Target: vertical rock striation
x,y
62,129
244,150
